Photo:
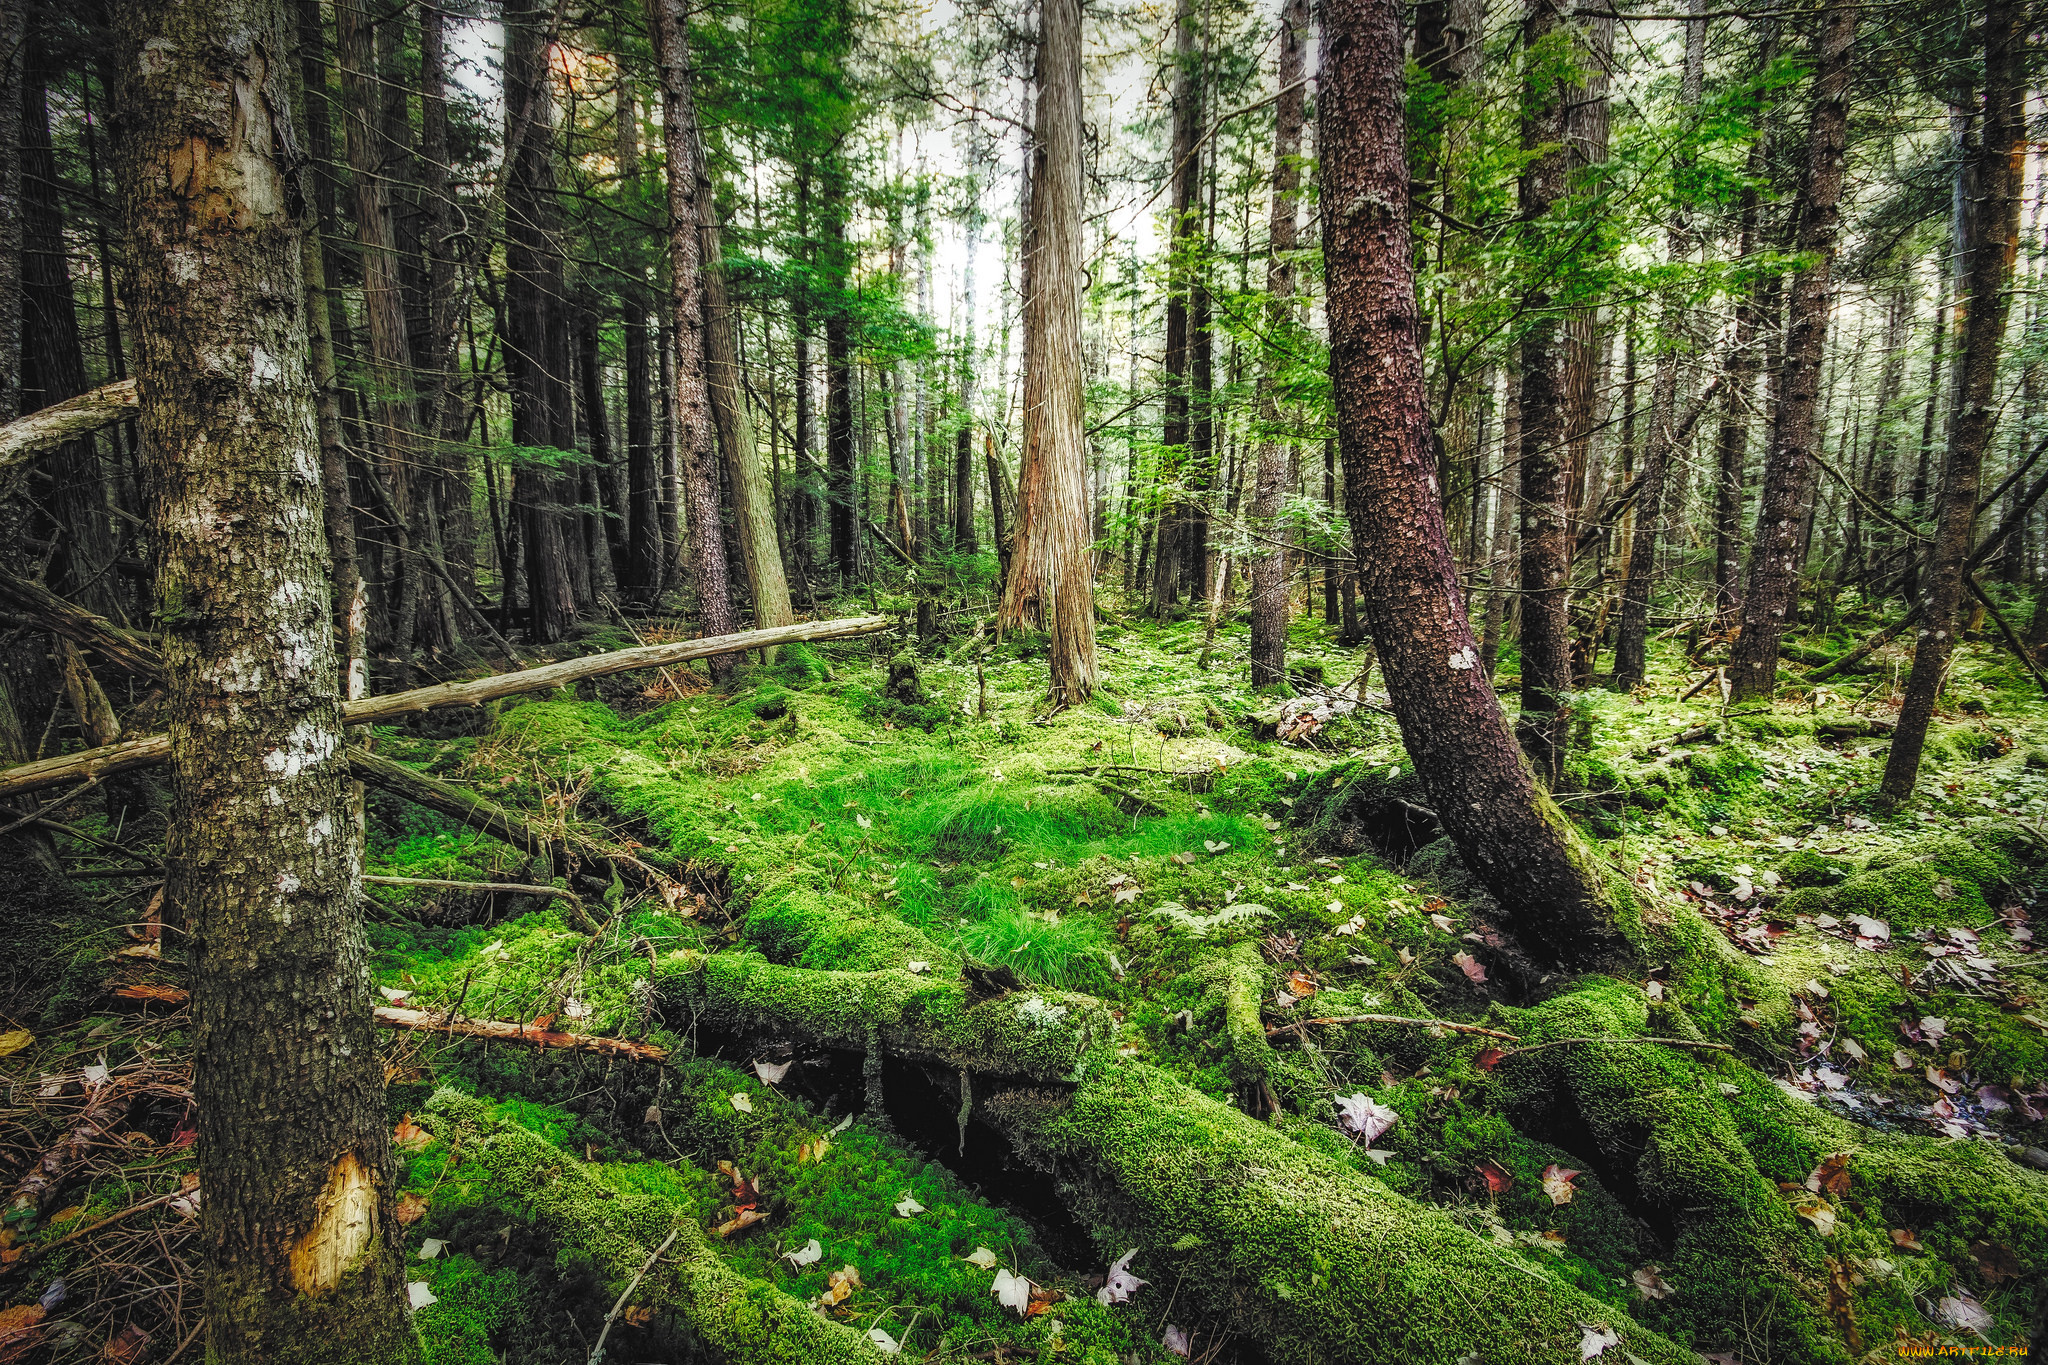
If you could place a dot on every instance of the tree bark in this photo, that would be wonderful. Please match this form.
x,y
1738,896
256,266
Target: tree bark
x,y
1545,531
1789,471
537,354
696,453
1982,304
1507,831
1051,573
1168,553
836,264
300,1245
1269,490
13,43
1675,340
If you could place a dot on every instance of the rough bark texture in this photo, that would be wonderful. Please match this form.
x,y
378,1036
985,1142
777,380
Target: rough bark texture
x,y
1507,831
262,859
1631,640
1994,243
696,454
1170,537
13,17
1545,533
835,260
1789,471
1052,569
1269,489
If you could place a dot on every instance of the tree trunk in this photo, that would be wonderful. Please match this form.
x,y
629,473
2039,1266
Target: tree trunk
x,y
1269,492
1546,536
753,498
1509,834
1790,471
1500,571
299,1239
696,454
537,336
1168,554
13,42
1674,341
1982,303
1052,568
392,406
447,415
837,268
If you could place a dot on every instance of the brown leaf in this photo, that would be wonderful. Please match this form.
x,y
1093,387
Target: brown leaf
x,y
741,1220
1995,1261
639,1316
150,992
1498,1181
409,1136
1489,1059
1831,1177
130,1346
1906,1239
1301,984
841,1283
1470,966
19,1331
1557,1183
411,1208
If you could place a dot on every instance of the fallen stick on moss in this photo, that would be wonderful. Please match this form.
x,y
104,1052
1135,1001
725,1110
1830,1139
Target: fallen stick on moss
x,y
576,910
29,1253
147,750
498,1030
1392,1019
2012,638
597,1351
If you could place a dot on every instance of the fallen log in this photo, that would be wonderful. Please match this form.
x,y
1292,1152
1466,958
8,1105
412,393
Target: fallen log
x,y
499,1030
147,750
106,1105
26,437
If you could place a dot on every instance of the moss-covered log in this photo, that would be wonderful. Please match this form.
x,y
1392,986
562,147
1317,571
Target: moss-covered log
x,y
1316,1261
734,1319
1037,1035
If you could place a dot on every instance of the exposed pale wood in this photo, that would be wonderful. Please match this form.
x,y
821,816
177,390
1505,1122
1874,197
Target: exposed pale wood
x,y
428,1021
146,750
26,437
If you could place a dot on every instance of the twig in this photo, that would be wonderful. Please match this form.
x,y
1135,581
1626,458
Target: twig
x,y
1661,1042
30,1253
66,799
597,1351
576,909
1395,1019
505,1031
2012,639
186,1344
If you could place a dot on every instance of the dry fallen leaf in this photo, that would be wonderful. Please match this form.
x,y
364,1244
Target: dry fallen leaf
x,y
1831,1177
1817,1212
1650,1284
1557,1183
409,1136
639,1315
841,1284
420,1294
1596,1340
1498,1181
771,1073
982,1257
1470,966
908,1205
740,1221
128,1347
411,1208
1907,1239
14,1040
20,1330
742,1102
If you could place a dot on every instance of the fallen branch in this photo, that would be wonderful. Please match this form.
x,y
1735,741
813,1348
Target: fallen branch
x,y
576,909
597,1351
146,750
26,437
129,650
1713,675
1660,1042
498,1030
1393,1019
30,1253
106,1104
2012,639
1866,649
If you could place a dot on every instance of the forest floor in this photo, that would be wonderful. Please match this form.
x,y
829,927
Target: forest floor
x,y
1179,898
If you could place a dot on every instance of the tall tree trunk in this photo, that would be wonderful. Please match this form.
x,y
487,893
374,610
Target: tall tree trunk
x,y
1507,831
753,498
1674,343
1982,303
1500,570
603,470
1169,552
640,580
537,352
13,47
392,404
696,453
1269,492
446,418
300,1242
1790,471
839,462
1052,569
1546,529
53,360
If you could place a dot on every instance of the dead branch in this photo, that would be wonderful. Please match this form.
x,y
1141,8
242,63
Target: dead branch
x,y
1393,1019
26,437
147,750
576,909
428,1021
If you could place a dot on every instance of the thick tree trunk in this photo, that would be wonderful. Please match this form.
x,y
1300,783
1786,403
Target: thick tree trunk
x,y
1675,340
13,44
1509,834
447,414
839,489
696,451
1169,550
262,860
1546,537
1052,567
1790,471
1982,303
1269,490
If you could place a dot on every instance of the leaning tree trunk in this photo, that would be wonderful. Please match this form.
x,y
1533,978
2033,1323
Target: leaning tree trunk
x,y
1514,840
1789,470
1052,568
695,452
2000,170
1631,640
300,1244
1269,489
1546,538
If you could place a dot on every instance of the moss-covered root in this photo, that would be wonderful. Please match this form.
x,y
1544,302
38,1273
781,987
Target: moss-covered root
x,y
738,1321
1315,1261
1038,1035
1667,1143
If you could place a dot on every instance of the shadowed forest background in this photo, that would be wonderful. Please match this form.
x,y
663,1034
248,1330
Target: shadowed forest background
x,y
799,681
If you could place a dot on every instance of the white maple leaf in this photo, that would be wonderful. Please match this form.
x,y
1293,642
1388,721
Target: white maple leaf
x,y
1121,1283
431,1248
908,1205
419,1294
771,1073
1011,1291
884,1343
810,1253
983,1258
1365,1116
1596,1340
742,1102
